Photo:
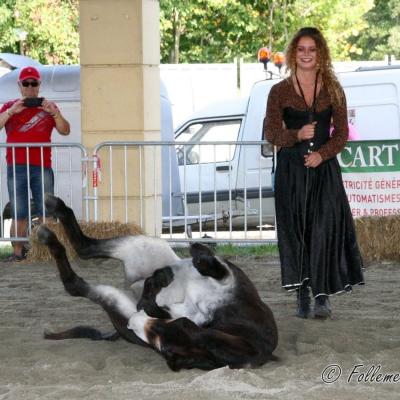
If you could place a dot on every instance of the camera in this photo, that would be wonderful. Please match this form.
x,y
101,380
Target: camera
x,y
33,101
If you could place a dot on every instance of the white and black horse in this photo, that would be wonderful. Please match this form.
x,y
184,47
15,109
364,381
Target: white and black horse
x,y
200,312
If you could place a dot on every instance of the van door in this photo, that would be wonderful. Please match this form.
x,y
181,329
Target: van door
x,y
255,196
208,170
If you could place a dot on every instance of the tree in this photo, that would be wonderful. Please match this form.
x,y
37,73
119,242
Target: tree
x,y
335,20
219,30
213,30
51,28
177,17
8,38
216,30
382,37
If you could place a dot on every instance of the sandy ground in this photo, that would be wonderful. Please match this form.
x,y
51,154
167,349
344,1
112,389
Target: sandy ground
x,y
364,331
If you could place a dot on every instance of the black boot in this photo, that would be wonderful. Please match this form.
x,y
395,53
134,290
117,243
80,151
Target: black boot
x,y
303,301
322,307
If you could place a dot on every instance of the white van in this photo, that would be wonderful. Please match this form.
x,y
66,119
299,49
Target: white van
x,y
237,171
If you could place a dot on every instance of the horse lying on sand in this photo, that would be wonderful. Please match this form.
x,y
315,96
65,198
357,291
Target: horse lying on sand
x,y
200,312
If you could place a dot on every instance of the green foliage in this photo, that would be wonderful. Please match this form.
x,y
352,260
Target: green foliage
x,y
230,250
219,30
5,251
339,20
382,36
210,31
213,30
7,32
51,28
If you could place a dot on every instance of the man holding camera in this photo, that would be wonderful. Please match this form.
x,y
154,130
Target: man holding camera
x,y
30,119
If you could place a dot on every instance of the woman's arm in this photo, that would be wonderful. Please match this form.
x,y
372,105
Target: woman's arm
x,y
340,132
274,130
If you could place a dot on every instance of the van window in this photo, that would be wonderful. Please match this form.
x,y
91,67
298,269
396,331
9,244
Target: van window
x,y
371,104
208,131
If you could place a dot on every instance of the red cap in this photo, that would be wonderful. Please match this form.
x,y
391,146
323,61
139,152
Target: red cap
x,y
29,73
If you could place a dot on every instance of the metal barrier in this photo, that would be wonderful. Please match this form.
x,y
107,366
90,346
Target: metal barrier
x,y
69,163
208,191
219,191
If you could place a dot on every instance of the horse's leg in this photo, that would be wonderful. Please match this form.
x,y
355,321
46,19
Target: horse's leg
x,y
206,263
115,302
152,286
79,332
140,254
85,246
186,345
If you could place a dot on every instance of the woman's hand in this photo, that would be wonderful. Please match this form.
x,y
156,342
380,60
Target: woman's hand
x,y
306,132
312,160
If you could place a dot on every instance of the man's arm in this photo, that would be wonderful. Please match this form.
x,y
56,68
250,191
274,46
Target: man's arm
x,y
4,116
6,113
62,125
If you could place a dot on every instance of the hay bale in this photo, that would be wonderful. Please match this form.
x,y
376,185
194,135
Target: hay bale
x,y
379,238
99,230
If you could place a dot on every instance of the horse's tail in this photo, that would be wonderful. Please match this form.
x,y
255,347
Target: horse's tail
x,y
79,332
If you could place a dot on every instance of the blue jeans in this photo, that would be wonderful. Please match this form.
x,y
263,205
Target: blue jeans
x,y
21,186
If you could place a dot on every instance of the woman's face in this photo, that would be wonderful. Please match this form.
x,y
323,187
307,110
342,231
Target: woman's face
x,y
306,54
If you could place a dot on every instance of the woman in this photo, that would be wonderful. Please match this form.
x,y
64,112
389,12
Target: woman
x,y
316,235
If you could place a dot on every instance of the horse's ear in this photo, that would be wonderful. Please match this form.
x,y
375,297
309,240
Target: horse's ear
x,y
210,266
199,249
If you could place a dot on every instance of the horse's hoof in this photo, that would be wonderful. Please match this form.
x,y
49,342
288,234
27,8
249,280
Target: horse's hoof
x,y
47,334
53,204
45,235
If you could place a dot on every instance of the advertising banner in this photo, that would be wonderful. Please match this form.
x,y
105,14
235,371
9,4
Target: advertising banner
x,y
371,177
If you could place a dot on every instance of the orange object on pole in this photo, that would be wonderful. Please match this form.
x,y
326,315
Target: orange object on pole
x,y
279,59
264,55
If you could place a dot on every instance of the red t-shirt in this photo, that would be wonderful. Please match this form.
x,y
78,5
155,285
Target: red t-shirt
x,y
32,125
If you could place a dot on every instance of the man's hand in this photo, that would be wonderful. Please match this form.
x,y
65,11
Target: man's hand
x,y
17,107
50,107
62,125
312,160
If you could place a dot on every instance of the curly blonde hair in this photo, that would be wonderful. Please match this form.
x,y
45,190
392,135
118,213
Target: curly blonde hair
x,y
324,62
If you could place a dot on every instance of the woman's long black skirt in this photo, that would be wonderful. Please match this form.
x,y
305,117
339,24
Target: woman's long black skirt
x,y
316,233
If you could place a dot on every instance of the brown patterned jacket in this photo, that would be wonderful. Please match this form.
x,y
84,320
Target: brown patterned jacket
x,y
283,95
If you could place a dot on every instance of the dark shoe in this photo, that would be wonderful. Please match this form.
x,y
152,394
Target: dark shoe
x,y
303,302
14,258
322,307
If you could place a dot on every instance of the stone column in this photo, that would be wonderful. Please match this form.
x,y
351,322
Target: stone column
x,y
120,98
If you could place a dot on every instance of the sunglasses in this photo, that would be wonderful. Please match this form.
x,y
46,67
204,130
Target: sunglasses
x,y
30,83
